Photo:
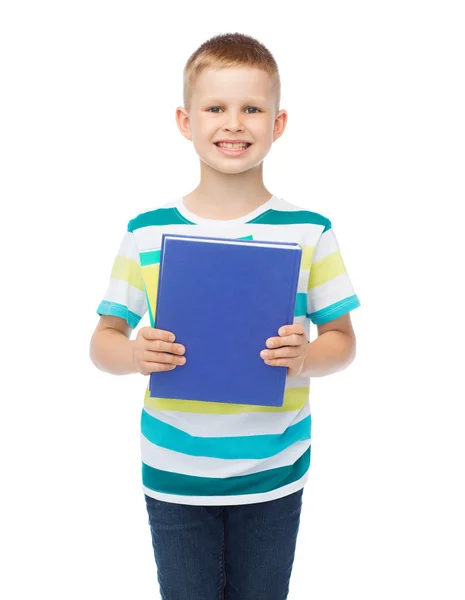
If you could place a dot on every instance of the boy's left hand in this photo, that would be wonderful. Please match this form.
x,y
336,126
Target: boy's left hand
x,y
287,350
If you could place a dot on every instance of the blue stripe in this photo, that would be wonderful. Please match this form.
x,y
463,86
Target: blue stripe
x,y
119,310
247,446
333,311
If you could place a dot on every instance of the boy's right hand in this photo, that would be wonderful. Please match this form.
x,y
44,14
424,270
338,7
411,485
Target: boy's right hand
x,y
153,351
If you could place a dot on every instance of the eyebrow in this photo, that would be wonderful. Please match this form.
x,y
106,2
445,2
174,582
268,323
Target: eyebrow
x,y
215,99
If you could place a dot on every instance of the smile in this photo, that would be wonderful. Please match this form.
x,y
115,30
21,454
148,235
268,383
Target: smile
x,y
233,151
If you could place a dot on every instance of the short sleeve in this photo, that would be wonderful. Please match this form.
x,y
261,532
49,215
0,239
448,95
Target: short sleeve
x,y
125,296
330,292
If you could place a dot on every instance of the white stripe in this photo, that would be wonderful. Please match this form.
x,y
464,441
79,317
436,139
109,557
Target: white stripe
x,y
299,319
124,293
208,425
128,247
327,244
205,466
230,500
328,293
302,285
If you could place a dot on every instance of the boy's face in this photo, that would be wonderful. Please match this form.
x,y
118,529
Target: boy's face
x,y
232,103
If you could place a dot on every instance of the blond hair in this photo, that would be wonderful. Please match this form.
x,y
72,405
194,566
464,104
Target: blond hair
x,y
230,50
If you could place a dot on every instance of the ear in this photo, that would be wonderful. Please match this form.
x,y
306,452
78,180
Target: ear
x,y
183,122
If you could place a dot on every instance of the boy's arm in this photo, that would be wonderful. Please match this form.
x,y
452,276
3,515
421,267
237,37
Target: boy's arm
x,y
111,350
333,350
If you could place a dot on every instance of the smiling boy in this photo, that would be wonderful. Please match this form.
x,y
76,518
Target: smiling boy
x,y
223,483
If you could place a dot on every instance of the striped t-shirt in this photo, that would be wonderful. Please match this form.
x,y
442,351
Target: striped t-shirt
x,y
211,453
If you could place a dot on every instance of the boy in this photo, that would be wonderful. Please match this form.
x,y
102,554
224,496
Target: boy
x,y
223,483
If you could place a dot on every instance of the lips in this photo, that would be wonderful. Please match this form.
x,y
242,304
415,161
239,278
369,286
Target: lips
x,y
238,142
233,152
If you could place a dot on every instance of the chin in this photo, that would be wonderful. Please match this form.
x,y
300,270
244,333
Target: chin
x,y
231,169
226,164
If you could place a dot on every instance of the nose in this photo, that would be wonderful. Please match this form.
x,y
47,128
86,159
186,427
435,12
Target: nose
x,y
233,123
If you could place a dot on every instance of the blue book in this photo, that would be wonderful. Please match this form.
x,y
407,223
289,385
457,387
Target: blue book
x,y
223,298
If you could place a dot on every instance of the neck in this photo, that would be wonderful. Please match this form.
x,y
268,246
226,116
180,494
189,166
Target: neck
x,y
227,196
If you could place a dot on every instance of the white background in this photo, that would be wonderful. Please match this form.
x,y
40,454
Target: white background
x,y
375,142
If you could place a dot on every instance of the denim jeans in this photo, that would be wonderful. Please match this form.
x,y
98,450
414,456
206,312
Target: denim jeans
x,y
237,552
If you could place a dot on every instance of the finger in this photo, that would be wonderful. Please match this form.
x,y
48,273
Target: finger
x,y
160,346
297,328
289,340
152,333
162,357
290,363
151,367
286,352
278,362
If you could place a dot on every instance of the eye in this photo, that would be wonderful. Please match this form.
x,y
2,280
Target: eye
x,y
252,107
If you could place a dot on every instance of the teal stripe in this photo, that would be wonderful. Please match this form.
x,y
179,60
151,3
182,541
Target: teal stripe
x,y
300,305
247,446
152,257
291,217
256,483
159,217
119,310
170,216
333,311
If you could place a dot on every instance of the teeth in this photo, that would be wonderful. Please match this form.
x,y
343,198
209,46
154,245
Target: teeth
x,y
236,146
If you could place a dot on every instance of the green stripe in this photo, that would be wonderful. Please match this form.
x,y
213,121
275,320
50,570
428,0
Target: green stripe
x,y
256,483
247,446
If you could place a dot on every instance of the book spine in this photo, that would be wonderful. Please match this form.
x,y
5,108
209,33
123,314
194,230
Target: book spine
x,y
160,277
294,286
160,282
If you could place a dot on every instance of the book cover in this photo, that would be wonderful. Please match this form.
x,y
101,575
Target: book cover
x,y
223,298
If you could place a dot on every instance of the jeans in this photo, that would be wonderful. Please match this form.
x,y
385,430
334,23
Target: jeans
x,y
237,552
